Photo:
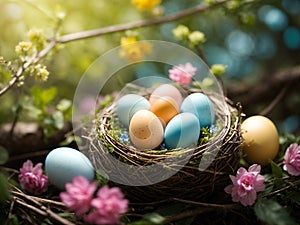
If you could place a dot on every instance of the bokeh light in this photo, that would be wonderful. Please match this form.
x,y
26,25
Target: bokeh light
x,y
239,43
291,37
273,17
265,46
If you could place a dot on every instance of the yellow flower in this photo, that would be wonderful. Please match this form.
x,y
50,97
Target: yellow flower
x,y
127,40
134,50
145,4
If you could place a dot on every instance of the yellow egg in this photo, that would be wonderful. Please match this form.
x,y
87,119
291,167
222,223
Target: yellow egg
x,y
165,108
260,140
146,130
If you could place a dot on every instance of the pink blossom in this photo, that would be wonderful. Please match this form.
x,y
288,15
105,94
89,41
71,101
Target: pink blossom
x,y
108,206
182,73
292,160
32,178
246,184
78,195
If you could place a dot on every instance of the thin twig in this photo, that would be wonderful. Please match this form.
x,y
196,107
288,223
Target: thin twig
x,y
276,100
22,199
208,205
26,65
282,189
137,24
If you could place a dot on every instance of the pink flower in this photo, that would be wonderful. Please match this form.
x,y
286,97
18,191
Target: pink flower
x,y
246,184
182,74
292,160
78,195
108,206
32,178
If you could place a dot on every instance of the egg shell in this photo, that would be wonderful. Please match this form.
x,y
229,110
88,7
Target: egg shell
x,y
128,105
166,90
145,130
201,106
260,140
63,164
182,131
165,108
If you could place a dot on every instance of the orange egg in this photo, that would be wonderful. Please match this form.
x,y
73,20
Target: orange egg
x,y
260,140
165,108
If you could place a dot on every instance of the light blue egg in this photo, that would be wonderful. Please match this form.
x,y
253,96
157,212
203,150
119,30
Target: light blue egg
x,y
63,164
128,105
201,106
182,131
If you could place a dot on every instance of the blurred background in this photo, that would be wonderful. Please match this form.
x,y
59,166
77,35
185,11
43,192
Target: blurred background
x,y
259,43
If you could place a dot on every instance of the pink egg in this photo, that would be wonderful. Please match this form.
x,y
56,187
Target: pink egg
x,y
166,90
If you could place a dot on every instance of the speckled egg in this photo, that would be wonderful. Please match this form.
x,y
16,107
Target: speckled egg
x,y
201,106
128,105
182,131
63,164
145,130
260,140
166,90
165,108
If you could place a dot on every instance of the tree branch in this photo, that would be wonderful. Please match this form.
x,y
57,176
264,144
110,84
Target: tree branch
x,y
265,88
137,24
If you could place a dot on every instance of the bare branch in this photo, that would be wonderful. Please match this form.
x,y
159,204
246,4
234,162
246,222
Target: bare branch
x,y
137,24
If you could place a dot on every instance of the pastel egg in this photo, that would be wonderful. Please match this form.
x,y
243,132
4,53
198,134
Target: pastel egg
x,y
146,130
182,131
166,90
63,164
165,108
128,105
201,106
260,140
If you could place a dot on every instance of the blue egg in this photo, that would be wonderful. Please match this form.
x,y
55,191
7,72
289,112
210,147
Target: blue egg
x,y
128,105
201,106
182,131
63,164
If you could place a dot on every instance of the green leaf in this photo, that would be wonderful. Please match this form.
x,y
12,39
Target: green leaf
x,y
276,170
5,194
43,97
3,155
272,213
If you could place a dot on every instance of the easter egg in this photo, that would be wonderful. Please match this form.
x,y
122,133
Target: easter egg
x,y
128,105
165,108
201,106
260,140
63,164
166,90
182,131
145,130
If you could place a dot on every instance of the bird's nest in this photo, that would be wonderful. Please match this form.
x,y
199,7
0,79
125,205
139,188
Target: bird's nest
x,y
195,173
